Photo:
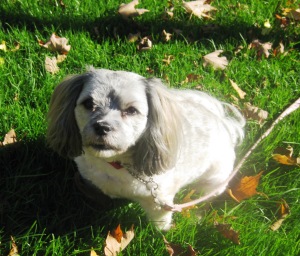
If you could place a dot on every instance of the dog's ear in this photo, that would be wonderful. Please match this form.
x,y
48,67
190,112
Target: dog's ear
x,y
157,149
63,134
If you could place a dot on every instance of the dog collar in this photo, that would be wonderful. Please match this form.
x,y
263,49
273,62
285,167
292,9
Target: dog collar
x,y
116,165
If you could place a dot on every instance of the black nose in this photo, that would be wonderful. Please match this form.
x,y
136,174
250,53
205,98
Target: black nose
x,y
102,128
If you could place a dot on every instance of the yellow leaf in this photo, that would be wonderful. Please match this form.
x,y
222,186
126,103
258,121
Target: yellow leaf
x,y
283,212
3,46
240,92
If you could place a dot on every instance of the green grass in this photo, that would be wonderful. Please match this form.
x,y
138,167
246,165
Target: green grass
x,y
40,205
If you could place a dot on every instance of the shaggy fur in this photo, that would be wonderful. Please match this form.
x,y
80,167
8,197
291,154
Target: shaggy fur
x,y
129,134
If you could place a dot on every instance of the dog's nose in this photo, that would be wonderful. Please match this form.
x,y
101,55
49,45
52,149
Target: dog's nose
x,y
102,128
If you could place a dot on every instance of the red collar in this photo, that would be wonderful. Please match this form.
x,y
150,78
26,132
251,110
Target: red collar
x,y
116,165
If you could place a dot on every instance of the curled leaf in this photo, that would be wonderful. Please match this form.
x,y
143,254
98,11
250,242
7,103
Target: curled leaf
x,y
178,250
255,113
56,44
261,48
145,44
285,156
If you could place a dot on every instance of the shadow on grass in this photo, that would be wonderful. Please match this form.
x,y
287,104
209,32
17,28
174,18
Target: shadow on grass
x,y
111,25
38,186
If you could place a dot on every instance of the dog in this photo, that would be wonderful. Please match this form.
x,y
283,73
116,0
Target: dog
x,y
132,137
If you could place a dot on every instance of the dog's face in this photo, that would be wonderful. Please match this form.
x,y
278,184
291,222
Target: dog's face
x,y
111,113
108,113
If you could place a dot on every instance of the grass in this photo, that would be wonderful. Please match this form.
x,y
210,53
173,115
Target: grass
x,y
39,204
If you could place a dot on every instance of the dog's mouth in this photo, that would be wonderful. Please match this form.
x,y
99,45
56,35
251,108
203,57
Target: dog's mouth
x,y
100,147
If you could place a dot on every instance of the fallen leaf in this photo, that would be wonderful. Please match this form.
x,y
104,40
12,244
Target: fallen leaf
x,y
198,8
285,156
2,61
245,188
9,138
56,44
294,14
60,58
240,92
255,113
214,60
168,59
267,28
261,48
145,44
93,253
166,36
128,10
279,50
14,248
228,232
3,46
178,250
51,65
113,247
283,212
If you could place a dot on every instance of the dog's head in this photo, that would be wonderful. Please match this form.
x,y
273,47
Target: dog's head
x,y
111,113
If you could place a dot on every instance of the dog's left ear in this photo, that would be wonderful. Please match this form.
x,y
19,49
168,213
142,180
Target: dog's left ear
x,y
158,148
63,134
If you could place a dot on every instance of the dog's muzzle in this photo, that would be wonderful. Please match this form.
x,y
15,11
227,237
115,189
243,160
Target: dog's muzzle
x,y
102,128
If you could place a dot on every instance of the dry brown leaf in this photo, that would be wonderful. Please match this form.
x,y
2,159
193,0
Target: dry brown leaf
x,y
166,36
113,247
178,250
283,212
285,156
198,8
294,14
51,65
145,44
9,138
56,44
214,60
240,92
128,10
261,48
245,188
255,113
14,248
228,232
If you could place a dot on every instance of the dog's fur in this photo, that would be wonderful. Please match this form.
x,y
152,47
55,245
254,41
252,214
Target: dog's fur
x,y
173,137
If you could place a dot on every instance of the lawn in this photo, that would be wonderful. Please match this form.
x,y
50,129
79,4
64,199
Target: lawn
x,y
40,205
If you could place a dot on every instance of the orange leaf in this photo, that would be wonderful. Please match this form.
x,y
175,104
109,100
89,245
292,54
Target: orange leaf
x,y
116,241
228,232
284,156
246,188
186,211
117,233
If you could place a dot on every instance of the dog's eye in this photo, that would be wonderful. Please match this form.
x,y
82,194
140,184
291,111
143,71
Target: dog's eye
x,y
88,104
130,111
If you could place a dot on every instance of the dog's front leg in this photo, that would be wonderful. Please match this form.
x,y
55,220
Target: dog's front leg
x,y
160,217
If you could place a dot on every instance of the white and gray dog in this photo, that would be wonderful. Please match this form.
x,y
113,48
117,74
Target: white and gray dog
x,y
133,138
